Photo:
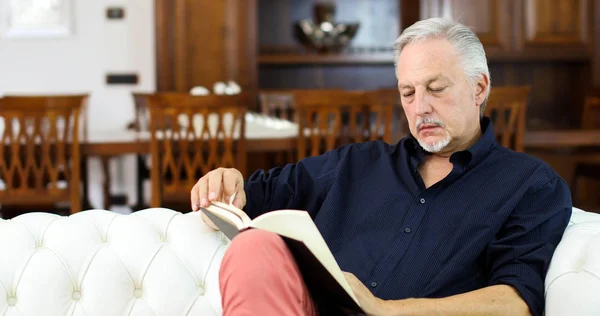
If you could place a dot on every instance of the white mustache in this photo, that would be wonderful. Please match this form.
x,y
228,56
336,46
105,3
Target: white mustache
x,y
429,121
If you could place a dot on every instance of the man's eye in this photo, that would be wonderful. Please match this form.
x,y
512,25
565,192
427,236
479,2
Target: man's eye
x,y
408,94
436,89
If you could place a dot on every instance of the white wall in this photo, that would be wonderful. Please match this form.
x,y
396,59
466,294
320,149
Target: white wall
x,y
80,63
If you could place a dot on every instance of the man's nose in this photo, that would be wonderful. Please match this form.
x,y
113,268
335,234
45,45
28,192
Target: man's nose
x,y
422,106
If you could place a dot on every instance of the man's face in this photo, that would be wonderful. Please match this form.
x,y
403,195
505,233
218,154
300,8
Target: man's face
x,y
441,105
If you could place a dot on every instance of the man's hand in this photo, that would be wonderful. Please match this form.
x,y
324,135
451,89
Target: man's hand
x,y
218,185
368,302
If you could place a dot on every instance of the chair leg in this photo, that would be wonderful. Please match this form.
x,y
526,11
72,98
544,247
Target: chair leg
x,y
107,180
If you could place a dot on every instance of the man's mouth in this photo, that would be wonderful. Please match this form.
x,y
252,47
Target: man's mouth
x,y
426,127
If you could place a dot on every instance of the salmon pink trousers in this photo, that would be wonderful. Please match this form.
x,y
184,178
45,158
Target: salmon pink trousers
x,y
258,276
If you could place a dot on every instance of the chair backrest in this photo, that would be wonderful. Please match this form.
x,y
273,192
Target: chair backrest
x,y
278,103
390,97
507,107
40,153
142,117
591,112
191,135
328,119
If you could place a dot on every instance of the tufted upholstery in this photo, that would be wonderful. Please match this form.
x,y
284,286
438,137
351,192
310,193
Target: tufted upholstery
x,y
161,262
153,262
573,279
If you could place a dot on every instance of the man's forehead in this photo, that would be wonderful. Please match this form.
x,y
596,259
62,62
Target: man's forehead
x,y
433,53
424,81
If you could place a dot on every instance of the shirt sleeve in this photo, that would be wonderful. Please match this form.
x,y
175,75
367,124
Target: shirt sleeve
x,y
520,254
301,186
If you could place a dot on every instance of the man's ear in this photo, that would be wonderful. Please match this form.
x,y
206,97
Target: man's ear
x,y
480,89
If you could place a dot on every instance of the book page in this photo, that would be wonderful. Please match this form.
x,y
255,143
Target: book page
x,y
299,225
245,219
225,226
226,215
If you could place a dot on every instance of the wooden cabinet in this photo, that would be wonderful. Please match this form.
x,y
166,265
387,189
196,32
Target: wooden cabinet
x,y
523,29
554,27
489,19
202,42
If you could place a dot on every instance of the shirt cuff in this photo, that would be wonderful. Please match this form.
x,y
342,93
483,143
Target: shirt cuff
x,y
535,304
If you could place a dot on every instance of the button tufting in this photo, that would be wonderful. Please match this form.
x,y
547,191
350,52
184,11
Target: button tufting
x,y
137,293
200,290
76,295
12,301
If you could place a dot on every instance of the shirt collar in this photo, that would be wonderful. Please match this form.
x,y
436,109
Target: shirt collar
x,y
468,157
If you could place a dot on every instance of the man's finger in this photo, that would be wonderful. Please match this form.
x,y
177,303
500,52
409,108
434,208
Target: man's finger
x,y
194,197
240,197
230,181
215,184
202,189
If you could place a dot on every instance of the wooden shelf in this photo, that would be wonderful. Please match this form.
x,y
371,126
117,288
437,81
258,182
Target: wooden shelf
x,y
324,59
541,55
387,58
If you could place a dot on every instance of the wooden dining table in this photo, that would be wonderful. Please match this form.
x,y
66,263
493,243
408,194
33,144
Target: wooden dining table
x,y
262,134
272,135
263,138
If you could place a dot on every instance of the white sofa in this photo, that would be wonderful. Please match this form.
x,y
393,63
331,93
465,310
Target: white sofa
x,y
161,262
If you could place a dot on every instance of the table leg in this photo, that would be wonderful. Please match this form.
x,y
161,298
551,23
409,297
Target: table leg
x,y
142,174
85,201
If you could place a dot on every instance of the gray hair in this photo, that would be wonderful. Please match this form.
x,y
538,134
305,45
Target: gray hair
x,y
464,40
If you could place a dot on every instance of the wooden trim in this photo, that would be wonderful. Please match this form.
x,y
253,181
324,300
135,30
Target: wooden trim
x,y
75,187
562,138
232,37
180,44
567,54
595,36
409,13
164,53
252,52
380,58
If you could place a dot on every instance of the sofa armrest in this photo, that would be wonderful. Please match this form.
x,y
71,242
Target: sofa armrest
x,y
573,279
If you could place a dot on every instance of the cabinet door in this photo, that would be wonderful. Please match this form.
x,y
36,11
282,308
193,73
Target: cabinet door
x,y
203,42
563,26
489,19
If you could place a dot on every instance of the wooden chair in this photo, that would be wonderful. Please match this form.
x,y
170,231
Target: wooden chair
x,y
191,135
40,150
591,112
328,119
507,107
587,165
278,103
142,117
390,97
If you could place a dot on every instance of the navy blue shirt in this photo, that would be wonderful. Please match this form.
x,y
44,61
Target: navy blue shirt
x,y
495,219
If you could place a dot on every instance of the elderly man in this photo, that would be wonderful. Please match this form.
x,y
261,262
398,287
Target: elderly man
x,y
446,221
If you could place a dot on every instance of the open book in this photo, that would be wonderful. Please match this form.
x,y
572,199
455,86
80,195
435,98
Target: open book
x,y
321,273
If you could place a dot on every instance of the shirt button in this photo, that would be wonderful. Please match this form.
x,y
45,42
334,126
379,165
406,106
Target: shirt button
x,y
373,284
422,201
407,230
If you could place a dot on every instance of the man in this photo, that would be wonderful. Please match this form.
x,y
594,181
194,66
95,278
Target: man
x,y
446,221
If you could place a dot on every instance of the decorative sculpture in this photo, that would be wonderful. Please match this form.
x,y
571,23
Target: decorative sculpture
x,y
325,35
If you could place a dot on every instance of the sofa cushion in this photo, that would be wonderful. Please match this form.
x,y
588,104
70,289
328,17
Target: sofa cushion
x,y
152,262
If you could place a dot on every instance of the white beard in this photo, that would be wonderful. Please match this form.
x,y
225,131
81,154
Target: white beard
x,y
437,146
